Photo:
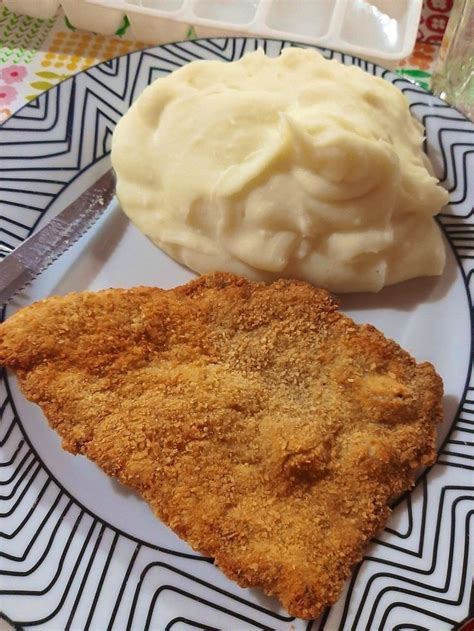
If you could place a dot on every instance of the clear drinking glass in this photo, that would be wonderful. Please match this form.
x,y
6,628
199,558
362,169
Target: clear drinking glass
x,y
453,76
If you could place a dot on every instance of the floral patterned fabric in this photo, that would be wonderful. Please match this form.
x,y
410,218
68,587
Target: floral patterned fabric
x,y
37,54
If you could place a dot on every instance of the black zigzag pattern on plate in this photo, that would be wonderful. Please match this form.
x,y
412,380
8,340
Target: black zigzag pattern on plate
x,y
63,567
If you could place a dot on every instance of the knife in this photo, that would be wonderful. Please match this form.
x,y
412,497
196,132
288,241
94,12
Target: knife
x,y
46,245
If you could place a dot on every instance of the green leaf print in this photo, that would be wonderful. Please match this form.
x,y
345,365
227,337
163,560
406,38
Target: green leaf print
x,y
70,26
45,74
41,85
416,76
122,29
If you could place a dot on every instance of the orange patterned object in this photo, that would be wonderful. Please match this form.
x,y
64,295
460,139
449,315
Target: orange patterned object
x,y
422,57
77,51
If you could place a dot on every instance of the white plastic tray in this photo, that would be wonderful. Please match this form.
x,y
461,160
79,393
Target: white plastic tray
x,y
377,29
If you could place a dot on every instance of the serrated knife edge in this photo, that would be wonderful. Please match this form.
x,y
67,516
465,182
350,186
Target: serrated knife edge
x,y
46,245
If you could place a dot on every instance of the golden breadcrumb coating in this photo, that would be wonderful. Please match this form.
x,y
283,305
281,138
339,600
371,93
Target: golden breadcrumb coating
x,y
264,427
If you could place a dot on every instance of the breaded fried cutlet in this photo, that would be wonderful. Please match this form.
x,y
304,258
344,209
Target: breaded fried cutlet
x,y
264,427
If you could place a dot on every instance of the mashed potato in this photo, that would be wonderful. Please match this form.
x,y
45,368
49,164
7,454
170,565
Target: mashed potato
x,y
290,167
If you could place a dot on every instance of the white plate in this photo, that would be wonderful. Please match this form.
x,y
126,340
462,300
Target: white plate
x,y
78,550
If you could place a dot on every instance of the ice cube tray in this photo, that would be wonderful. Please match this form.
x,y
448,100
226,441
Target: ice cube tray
x,y
375,29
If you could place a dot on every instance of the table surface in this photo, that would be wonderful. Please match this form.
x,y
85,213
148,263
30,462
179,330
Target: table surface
x,y
37,54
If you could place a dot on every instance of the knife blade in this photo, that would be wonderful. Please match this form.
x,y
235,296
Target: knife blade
x,y
46,245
